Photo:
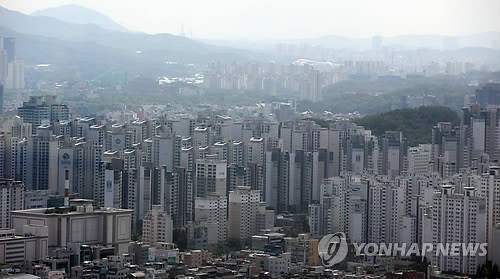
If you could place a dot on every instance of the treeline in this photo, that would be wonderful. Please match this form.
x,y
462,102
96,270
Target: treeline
x,y
416,124
376,96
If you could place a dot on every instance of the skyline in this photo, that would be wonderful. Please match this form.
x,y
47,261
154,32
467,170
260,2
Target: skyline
x,y
290,139
228,20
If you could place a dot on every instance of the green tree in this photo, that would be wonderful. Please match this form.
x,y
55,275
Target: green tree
x,y
415,124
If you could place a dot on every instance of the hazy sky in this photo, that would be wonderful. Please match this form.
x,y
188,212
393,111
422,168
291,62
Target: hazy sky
x,y
281,19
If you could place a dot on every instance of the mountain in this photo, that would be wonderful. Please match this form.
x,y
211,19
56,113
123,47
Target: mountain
x,y
54,28
89,49
83,59
80,15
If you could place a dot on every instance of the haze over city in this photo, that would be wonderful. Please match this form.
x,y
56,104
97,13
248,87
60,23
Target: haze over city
x,y
249,139
290,19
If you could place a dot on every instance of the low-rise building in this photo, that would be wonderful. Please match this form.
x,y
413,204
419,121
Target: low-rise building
x,y
276,265
164,252
193,258
23,248
70,227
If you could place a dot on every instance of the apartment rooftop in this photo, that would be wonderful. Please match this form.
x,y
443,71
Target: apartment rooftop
x,y
71,210
76,207
20,276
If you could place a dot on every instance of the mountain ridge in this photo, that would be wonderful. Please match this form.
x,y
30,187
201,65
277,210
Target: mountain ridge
x,y
90,49
77,14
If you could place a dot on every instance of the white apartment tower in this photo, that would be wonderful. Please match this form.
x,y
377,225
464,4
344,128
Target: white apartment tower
x,y
458,218
419,159
157,226
490,191
211,211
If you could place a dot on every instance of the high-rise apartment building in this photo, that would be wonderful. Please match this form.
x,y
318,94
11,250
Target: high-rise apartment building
x,y
242,216
15,77
210,176
256,164
11,69
43,110
490,191
3,64
446,149
42,157
1,95
211,212
458,218
9,44
157,226
393,148
3,169
419,159
488,94
12,198
176,195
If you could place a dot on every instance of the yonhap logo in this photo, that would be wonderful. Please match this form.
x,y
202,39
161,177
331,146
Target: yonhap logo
x,y
332,249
